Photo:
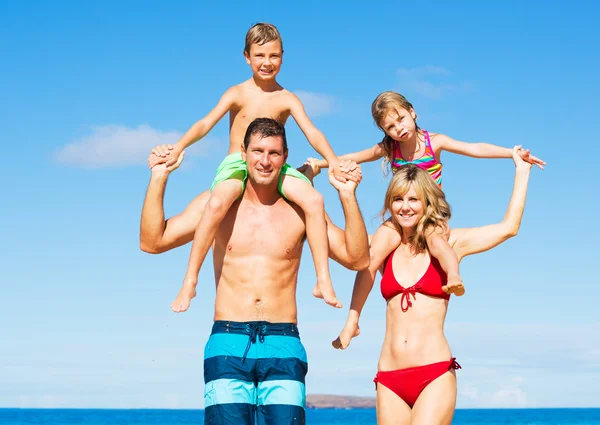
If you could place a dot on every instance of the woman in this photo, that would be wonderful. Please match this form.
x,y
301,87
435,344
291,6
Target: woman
x,y
416,382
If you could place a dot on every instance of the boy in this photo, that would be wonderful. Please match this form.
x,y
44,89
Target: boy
x,y
260,96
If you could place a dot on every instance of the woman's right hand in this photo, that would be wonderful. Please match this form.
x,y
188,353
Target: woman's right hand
x,y
521,157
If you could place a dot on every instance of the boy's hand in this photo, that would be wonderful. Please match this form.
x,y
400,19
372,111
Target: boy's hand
x,y
161,154
163,167
343,171
354,178
527,157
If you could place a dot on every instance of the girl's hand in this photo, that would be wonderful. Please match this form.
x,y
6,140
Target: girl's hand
x,y
527,157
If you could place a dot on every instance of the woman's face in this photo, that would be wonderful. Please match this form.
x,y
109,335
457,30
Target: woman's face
x,y
407,209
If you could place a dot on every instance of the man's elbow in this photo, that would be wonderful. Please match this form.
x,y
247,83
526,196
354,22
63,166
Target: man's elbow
x,y
361,261
151,247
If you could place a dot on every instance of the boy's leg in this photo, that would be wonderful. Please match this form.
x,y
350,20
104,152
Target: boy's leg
x,y
299,190
221,199
227,187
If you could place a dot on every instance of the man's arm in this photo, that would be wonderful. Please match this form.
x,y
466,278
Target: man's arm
x,y
349,247
479,239
156,234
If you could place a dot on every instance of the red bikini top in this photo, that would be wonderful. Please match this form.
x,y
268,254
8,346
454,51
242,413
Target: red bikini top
x,y
430,283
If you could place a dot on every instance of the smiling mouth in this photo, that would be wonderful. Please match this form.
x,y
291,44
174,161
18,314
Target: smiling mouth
x,y
407,215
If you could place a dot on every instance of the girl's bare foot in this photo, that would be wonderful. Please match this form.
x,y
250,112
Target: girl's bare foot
x,y
350,331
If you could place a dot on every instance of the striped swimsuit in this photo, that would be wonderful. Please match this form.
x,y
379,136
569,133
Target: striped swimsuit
x,y
427,162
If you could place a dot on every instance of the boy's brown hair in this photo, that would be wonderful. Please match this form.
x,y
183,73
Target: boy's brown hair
x,y
260,34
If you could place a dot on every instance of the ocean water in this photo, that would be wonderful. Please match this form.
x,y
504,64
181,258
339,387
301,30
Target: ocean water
x,y
313,417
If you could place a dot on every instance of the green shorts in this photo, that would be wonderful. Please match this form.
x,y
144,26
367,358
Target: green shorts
x,y
234,167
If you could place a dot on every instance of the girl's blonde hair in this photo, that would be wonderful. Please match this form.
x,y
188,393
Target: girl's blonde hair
x,y
384,104
436,209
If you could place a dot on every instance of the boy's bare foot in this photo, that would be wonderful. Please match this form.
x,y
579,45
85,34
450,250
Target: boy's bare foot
x,y
182,302
343,341
326,292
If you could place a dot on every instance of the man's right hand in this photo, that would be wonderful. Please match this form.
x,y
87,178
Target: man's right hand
x,y
163,154
349,185
163,166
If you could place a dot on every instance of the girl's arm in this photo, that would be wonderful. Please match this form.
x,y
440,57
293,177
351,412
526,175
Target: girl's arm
x,y
367,155
482,150
479,239
385,240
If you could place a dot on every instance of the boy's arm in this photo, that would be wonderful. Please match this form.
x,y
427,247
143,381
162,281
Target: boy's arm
x,y
368,155
479,239
201,127
316,138
481,150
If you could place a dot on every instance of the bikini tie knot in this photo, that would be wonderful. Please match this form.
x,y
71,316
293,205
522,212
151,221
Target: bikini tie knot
x,y
405,302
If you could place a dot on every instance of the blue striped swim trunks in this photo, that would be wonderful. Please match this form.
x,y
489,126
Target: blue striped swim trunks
x,y
254,374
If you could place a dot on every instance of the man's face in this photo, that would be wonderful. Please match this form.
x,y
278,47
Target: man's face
x,y
264,158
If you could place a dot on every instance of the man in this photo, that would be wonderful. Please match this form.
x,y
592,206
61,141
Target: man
x,y
255,364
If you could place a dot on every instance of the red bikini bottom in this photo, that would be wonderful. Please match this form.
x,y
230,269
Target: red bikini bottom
x,y
409,383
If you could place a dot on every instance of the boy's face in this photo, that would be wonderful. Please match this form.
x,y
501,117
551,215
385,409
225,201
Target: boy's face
x,y
265,60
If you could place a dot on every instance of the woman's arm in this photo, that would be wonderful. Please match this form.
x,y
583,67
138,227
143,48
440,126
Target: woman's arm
x,y
479,239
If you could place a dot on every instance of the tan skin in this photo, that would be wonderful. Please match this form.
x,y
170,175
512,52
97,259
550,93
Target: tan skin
x,y
260,96
255,272
416,337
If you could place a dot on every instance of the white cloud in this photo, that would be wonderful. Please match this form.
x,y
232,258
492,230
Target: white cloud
x,y
428,81
316,104
117,146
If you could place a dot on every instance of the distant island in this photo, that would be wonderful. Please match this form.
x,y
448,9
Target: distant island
x,y
325,401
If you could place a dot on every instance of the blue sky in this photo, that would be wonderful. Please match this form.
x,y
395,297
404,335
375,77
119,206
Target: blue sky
x,y
88,88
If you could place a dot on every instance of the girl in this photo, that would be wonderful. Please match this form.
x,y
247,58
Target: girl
x,y
405,143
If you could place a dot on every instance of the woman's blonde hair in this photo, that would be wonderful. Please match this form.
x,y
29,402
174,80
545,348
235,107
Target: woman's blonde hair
x,y
436,209
384,104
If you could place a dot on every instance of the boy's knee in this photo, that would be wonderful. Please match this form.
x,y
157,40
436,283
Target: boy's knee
x,y
316,202
215,205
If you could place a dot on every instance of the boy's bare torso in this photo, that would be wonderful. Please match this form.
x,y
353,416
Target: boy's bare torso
x,y
256,259
252,102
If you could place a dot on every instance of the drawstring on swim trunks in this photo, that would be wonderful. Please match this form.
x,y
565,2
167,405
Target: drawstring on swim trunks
x,y
253,331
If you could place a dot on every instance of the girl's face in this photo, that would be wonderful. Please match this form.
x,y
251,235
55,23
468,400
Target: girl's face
x,y
400,125
407,209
